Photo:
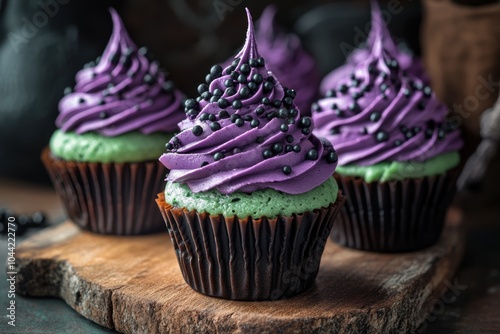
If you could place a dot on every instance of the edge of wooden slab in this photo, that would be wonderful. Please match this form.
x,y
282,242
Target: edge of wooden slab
x,y
43,271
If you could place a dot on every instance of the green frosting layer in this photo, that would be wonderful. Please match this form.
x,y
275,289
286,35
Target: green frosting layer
x,y
388,171
92,147
268,202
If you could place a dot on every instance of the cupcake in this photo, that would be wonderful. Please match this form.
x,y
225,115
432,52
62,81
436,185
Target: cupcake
x,y
111,128
288,60
406,59
397,155
249,201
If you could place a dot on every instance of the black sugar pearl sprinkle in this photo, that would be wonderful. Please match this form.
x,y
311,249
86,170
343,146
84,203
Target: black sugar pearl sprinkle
x,y
234,75
306,131
204,163
334,106
265,101
339,113
398,143
129,52
102,102
223,103
228,83
268,86
267,154
355,83
343,88
277,103
103,115
242,78
197,130
312,154
236,150
288,148
245,68
199,99
248,118
441,134
383,87
254,123
234,117
237,104
208,78
383,75
283,113
381,136
291,121
218,92
384,97
416,129
168,86
277,148
204,116
190,103
110,86
271,115
316,107
366,88
218,156
252,86
286,170
418,85
289,139
406,92
331,93
429,133
259,111
223,114
175,141
353,75
394,63
192,112
354,107
235,62
427,91
296,148
114,58
408,134
143,51
332,157
334,131
283,127
148,79
364,131
244,91
105,93
81,100
211,117
293,112
371,69
305,122
259,140
261,62
421,105
288,101
403,128
169,146
216,71
68,90
375,116
257,78
230,91
253,62
206,96
239,122
214,126
291,93
356,95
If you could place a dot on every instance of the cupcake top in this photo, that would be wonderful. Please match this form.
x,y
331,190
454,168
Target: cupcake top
x,y
378,114
244,133
406,60
286,58
126,91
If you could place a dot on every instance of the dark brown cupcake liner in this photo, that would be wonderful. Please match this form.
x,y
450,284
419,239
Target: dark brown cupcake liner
x,y
109,198
393,216
245,258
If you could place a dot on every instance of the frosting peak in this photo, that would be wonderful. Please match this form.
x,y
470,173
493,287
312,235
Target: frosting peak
x,y
125,91
245,133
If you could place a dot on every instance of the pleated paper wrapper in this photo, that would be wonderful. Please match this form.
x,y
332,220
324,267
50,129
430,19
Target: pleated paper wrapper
x,y
393,216
245,258
111,198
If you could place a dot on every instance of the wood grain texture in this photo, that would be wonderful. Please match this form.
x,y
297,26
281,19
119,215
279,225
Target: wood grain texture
x,y
133,284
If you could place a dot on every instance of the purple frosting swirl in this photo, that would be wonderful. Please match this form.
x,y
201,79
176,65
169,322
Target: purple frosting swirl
x,y
126,91
378,114
245,133
407,61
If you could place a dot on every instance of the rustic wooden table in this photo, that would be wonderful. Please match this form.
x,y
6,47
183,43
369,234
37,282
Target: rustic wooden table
x,y
471,306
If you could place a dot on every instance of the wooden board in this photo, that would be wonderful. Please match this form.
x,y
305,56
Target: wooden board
x,y
134,285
